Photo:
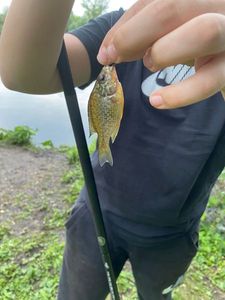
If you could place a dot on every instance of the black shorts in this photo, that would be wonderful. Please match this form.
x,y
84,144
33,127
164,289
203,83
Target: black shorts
x,y
156,268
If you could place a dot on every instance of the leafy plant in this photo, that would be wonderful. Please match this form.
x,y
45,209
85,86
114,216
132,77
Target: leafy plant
x,y
20,135
3,134
47,144
2,18
94,8
72,155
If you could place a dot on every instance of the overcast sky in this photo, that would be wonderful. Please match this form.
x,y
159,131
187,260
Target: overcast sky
x,y
77,7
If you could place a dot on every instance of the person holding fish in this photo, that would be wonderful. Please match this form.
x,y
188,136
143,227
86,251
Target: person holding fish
x,y
161,139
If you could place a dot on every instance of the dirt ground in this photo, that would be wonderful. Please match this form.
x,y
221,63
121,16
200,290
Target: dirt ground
x,y
30,179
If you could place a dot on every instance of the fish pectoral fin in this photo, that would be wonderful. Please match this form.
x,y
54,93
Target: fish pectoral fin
x,y
105,154
91,128
115,132
119,113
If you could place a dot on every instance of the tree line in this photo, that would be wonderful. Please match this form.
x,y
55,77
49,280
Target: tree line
x,y
92,9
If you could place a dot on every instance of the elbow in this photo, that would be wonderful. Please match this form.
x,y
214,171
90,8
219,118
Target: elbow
x,y
23,80
24,84
9,80
13,85
8,83
11,73
5,75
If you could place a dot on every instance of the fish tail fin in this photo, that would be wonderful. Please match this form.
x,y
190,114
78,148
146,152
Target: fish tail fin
x,y
105,154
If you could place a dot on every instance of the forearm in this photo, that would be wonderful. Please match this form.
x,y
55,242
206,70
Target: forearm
x,y
31,41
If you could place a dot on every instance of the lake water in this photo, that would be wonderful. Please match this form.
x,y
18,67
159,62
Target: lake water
x,y
46,113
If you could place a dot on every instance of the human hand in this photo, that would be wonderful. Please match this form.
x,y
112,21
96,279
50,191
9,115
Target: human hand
x,y
171,32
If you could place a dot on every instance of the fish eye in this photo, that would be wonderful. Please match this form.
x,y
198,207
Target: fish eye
x,y
102,77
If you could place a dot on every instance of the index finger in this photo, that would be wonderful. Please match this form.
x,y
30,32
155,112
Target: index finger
x,y
132,11
132,38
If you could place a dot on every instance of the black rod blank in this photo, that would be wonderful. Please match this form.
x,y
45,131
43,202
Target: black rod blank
x,y
78,130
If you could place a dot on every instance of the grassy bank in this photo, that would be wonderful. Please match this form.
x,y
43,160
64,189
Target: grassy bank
x,y
35,205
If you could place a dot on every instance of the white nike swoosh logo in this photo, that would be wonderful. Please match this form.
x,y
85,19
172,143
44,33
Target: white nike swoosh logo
x,y
165,77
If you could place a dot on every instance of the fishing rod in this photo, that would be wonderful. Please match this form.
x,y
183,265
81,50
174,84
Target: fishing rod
x,y
78,131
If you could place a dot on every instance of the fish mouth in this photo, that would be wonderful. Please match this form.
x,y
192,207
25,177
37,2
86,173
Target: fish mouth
x,y
111,67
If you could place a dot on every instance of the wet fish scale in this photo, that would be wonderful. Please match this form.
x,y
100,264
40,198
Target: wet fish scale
x,y
105,111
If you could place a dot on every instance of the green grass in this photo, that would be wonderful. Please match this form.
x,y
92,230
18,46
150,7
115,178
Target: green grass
x,y
30,266
31,262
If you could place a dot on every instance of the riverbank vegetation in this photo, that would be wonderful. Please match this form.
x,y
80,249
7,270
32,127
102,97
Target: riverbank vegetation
x,y
37,189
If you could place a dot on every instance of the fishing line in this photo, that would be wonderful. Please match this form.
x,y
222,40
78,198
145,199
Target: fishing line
x,y
78,130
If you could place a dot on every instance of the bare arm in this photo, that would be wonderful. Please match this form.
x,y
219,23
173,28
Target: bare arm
x,y
30,45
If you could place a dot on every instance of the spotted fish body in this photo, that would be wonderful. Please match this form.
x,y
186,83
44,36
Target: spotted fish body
x,y
105,111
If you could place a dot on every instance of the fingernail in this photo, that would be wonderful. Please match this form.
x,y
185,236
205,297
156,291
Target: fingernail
x,y
112,53
102,56
148,61
156,100
150,66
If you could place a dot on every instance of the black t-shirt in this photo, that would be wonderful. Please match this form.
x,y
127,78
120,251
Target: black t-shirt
x,y
165,161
